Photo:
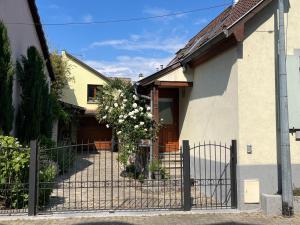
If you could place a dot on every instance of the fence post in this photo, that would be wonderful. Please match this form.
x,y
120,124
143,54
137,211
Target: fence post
x,y
187,204
233,164
33,173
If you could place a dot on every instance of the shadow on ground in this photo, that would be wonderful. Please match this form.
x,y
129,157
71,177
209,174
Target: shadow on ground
x,y
170,222
104,223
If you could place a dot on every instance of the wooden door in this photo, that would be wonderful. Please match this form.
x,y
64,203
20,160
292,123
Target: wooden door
x,y
168,115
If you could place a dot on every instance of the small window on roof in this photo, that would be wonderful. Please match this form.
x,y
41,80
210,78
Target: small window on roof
x,y
92,93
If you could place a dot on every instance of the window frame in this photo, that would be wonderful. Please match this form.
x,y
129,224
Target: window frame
x,y
89,101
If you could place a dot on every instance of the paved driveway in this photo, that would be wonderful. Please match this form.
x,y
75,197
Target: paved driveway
x,y
174,219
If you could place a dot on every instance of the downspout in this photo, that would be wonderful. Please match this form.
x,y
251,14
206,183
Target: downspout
x,y
286,171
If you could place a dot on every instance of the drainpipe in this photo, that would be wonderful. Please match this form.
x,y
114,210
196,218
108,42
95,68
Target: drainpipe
x,y
286,174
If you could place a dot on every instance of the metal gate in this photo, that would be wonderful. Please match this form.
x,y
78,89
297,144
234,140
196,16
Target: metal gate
x,y
90,177
211,170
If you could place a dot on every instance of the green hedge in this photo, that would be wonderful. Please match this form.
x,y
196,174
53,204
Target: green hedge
x,y
14,174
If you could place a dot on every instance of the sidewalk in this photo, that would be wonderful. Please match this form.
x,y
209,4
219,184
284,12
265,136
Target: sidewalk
x,y
169,219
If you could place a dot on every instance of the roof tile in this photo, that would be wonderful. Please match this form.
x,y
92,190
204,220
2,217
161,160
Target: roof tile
x,y
224,20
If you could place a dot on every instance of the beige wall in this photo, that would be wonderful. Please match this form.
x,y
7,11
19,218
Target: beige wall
x,y
211,111
257,83
177,75
76,91
21,36
293,42
257,100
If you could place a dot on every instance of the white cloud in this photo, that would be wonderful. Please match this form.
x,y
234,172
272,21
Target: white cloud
x,y
156,11
88,18
144,42
127,66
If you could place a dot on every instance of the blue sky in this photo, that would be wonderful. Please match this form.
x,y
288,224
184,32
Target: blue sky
x,y
128,48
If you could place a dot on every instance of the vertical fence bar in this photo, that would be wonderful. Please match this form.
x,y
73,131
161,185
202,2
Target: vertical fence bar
x,y
187,204
112,175
233,163
33,184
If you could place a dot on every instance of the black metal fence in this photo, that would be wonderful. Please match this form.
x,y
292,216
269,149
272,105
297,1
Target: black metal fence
x,y
14,180
89,177
213,175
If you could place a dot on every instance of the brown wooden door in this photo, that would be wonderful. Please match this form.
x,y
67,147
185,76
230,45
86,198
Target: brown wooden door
x,y
168,114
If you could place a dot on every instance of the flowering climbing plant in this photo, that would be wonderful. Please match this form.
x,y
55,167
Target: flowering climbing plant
x,y
128,115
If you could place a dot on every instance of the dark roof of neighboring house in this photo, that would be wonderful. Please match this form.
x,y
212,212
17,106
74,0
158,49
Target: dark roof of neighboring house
x,y
87,67
222,24
126,79
41,36
73,108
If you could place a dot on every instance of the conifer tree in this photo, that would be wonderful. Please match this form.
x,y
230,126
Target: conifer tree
x,y
32,78
6,83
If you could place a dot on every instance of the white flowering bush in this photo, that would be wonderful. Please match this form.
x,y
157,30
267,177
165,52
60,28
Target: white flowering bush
x,y
128,116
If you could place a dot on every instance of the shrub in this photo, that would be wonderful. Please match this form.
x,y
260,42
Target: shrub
x,y
47,175
14,174
64,156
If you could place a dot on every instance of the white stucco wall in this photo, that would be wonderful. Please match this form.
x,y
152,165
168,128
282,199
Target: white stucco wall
x,y
177,75
211,112
257,100
21,36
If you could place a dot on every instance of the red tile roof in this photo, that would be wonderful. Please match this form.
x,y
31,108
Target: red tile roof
x,y
223,21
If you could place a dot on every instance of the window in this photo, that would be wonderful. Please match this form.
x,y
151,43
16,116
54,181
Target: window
x,y
92,93
166,110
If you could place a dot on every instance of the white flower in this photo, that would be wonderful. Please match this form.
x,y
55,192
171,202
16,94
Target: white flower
x,y
104,117
141,109
107,126
124,100
125,116
149,115
121,116
122,107
135,97
142,123
116,105
106,107
134,117
121,121
161,119
134,105
130,113
119,91
145,129
148,108
136,126
136,111
119,132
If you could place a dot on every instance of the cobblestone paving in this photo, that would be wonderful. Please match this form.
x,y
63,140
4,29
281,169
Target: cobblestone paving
x,y
95,183
178,219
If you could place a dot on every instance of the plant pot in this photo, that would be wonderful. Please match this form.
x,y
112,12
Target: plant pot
x,y
156,175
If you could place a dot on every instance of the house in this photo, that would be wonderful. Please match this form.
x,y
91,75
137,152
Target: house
x,y
80,93
223,85
24,29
